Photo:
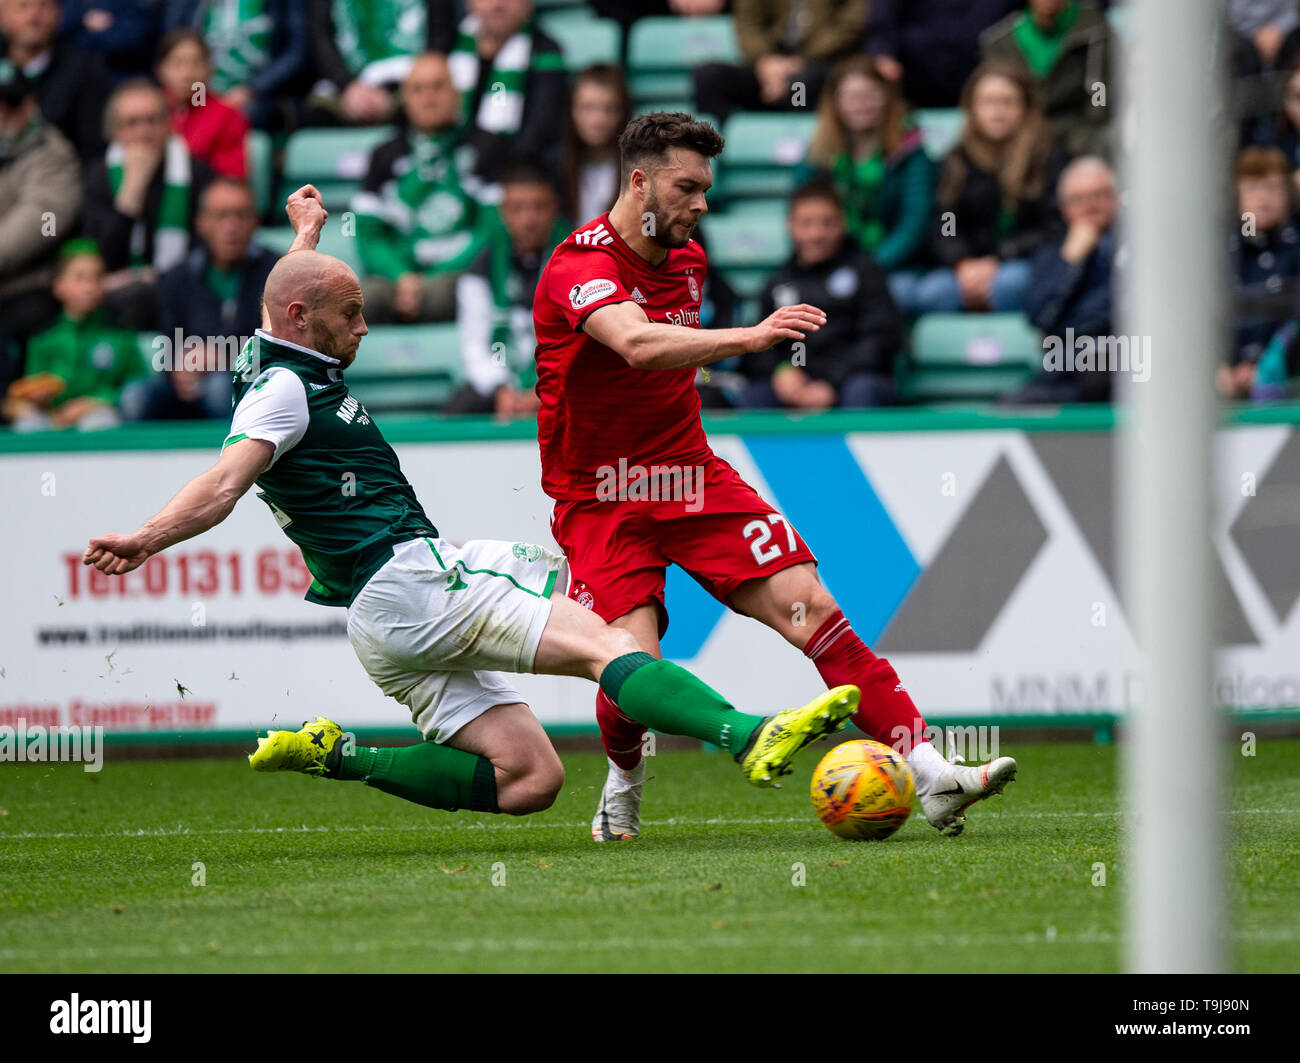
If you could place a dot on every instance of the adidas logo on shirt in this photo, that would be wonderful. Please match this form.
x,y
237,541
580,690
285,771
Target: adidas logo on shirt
x,y
637,296
598,235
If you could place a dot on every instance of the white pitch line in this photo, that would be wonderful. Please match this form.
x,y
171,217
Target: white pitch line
x,y
676,821
179,950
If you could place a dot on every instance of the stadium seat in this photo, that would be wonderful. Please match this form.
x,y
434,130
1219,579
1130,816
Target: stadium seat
x,y
746,245
976,340
940,128
761,152
406,368
663,49
334,160
260,173
585,38
964,357
332,241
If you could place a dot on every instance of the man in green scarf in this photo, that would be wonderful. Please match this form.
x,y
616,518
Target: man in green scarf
x,y
494,299
418,225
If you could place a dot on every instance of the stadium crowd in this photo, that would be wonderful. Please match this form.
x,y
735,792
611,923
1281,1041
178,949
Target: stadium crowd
x,y
132,202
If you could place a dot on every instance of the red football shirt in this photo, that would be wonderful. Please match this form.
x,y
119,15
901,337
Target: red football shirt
x,y
596,409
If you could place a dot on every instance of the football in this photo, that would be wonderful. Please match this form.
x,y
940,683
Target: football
x,y
863,790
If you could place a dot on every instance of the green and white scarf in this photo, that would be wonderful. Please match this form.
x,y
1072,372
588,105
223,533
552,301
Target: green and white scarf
x,y
512,306
377,39
171,238
501,109
238,33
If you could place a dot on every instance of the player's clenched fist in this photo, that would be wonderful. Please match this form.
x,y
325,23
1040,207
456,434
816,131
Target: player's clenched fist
x,y
786,323
306,209
115,554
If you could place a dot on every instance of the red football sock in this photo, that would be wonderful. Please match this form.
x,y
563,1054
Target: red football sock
x,y
886,713
621,736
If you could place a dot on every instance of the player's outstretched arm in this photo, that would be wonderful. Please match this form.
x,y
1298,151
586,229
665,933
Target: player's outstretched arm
x,y
645,344
201,504
307,214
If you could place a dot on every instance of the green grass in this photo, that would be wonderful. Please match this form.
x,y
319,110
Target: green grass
x,y
305,875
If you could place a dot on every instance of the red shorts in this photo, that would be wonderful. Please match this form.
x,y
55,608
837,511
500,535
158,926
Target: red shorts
x,y
714,525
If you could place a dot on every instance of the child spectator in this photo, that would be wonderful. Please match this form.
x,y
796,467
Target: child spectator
x,y
850,362
1265,248
865,143
418,226
77,367
494,299
259,52
598,110
214,131
1068,46
995,203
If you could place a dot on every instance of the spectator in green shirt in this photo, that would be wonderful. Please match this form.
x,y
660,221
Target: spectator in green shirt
x,y
77,367
868,146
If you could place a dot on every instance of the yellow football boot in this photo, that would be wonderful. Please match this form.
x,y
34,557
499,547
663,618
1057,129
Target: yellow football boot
x,y
779,738
303,750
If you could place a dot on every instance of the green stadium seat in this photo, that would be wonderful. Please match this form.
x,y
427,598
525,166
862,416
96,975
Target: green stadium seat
x,y
940,127
334,160
663,49
968,357
406,368
332,240
761,152
747,246
585,38
260,166
976,340
958,385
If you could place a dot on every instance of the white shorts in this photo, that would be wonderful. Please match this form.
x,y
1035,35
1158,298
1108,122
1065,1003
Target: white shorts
x,y
437,625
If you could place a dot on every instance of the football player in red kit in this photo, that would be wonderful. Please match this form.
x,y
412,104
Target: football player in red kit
x,y
637,487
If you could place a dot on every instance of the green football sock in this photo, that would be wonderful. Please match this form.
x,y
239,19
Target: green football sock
x,y
670,699
428,774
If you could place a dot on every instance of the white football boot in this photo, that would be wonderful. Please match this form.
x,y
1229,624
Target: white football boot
x,y
958,787
618,819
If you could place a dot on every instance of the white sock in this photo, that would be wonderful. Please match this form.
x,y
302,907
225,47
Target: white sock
x,y
927,764
629,777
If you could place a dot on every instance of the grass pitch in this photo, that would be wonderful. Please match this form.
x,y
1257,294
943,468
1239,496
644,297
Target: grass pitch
x,y
98,874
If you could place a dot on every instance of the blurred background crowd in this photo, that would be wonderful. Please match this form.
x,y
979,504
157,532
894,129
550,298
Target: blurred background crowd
x,y
937,174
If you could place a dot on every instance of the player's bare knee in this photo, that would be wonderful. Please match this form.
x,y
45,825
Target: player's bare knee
x,y
534,792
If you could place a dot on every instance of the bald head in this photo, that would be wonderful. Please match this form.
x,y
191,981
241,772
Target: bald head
x,y
314,300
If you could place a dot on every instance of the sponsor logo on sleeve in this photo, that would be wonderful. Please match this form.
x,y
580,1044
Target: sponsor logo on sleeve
x,y
582,294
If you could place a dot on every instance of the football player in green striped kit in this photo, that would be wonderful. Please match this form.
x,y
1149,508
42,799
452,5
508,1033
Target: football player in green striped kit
x,y
436,626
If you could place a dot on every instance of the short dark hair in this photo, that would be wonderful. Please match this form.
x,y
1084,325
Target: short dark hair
x,y
652,136
222,180
816,188
172,39
527,173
